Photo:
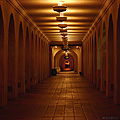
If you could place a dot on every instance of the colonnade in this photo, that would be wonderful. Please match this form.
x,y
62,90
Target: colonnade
x,y
101,53
24,53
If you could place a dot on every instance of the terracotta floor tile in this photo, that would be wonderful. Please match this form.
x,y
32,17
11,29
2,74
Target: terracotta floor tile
x,y
47,118
69,118
58,118
80,118
61,97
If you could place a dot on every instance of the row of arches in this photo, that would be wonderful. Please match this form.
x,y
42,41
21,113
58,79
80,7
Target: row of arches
x,y
22,58
101,55
59,60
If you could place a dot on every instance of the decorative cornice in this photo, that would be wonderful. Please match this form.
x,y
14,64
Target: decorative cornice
x,y
105,7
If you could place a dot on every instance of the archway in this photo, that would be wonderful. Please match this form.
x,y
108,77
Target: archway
x,y
94,60
21,82
32,59
12,85
66,64
103,81
27,61
98,60
44,59
35,72
90,60
87,60
61,53
1,59
39,60
42,65
117,83
110,80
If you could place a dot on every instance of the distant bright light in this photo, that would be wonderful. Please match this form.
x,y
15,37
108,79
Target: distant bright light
x,y
66,54
55,46
77,46
60,2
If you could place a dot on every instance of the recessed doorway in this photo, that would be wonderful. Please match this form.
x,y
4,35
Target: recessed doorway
x,y
66,64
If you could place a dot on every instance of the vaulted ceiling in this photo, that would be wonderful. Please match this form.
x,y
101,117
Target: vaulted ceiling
x,y
80,16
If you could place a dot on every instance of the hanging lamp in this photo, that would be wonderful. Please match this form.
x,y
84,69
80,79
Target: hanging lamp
x,y
64,38
64,34
61,19
63,30
59,8
62,25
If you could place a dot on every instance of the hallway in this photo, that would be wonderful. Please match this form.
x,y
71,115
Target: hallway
x,y
62,97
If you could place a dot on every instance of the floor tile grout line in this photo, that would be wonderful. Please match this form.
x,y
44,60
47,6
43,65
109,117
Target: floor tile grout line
x,y
90,107
93,111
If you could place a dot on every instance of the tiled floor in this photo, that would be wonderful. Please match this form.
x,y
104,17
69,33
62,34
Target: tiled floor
x,y
62,97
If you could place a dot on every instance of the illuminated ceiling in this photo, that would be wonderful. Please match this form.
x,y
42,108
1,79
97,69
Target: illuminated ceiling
x,y
80,16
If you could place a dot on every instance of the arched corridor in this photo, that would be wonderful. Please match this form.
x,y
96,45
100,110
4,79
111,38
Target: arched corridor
x,y
59,59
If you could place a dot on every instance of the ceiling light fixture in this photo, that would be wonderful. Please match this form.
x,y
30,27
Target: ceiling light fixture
x,y
59,8
64,38
60,2
77,46
55,46
64,34
65,48
63,30
62,25
61,14
66,54
61,19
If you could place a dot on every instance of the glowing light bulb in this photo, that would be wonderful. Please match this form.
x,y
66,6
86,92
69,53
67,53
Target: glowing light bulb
x,y
60,2
66,54
55,46
61,14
